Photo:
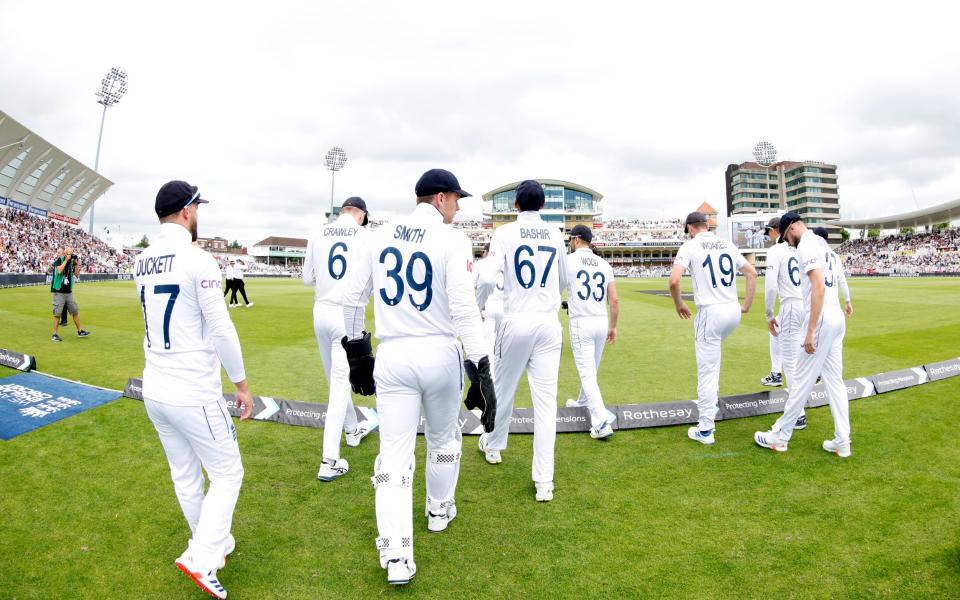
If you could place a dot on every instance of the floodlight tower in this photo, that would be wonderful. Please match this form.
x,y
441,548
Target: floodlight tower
x,y
765,155
112,88
336,158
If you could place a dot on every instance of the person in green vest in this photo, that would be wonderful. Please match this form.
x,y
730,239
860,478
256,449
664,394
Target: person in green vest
x,y
65,270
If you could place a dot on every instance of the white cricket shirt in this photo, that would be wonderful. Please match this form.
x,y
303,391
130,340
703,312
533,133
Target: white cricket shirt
x,y
331,253
188,331
713,264
494,302
782,276
814,253
588,276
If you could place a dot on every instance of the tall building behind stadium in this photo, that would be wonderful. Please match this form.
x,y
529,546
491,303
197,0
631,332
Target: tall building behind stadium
x,y
807,187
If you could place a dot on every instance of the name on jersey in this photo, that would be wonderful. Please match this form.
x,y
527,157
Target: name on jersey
x,y
590,261
340,231
409,234
714,245
154,265
528,233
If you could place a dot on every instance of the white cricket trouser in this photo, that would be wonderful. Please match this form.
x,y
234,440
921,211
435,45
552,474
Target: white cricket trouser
x,y
825,362
328,327
776,355
411,372
195,437
588,336
491,322
711,326
530,341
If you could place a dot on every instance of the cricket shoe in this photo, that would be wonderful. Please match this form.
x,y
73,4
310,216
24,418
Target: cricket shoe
x,y
330,469
575,403
207,581
801,422
544,490
439,514
704,437
249,304
491,456
400,571
56,338
772,380
603,432
364,428
841,449
770,439
83,333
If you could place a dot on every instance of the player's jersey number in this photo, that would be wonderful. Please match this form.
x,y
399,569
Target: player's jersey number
x,y
425,284
337,263
172,291
793,269
725,265
526,270
829,278
601,280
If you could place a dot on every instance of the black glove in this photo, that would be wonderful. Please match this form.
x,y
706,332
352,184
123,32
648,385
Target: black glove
x,y
564,305
360,358
481,394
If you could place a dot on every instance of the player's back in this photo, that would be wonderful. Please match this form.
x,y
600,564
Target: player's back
x,y
814,253
331,252
412,258
788,271
180,295
531,254
713,264
587,278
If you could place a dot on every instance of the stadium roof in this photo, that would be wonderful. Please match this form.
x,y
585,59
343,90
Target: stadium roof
x,y
941,213
597,196
37,176
288,242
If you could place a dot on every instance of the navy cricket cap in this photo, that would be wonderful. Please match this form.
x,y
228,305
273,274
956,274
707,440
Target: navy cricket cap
x,y
175,196
357,202
583,232
822,232
530,195
786,221
435,181
694,218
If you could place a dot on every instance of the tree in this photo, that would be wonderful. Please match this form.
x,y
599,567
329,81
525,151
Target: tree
x,y
844,234
235,245
144,242
906,230
873,233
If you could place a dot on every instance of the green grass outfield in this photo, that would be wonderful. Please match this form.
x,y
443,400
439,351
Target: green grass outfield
x,y
88,509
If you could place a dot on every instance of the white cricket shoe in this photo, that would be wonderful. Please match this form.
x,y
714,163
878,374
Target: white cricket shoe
x,y
330,470
801,422
770,439
400,571
603,432
544,490
575,403
704,437
439,516
364,428
841,449
206,581
492,456
249,304
772,380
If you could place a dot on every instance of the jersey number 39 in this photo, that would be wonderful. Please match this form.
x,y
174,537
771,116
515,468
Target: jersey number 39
x,y
424,284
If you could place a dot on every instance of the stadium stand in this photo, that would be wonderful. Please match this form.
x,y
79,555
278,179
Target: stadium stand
x,y
908,253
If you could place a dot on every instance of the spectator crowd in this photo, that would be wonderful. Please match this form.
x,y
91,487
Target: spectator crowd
x,y
28,244
906,253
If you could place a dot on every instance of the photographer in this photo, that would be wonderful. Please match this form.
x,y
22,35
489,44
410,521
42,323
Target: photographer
x,y
65,269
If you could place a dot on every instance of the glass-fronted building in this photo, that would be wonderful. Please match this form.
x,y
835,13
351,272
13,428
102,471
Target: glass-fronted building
x,y
567,204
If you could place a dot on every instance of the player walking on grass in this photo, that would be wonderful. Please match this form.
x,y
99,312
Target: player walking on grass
x,y
419,275
330,254
712,263
823,329
531,256
591,288
188,336
492,309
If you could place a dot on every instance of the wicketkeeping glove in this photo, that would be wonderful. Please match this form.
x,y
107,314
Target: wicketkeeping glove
x,y
360,358
481,394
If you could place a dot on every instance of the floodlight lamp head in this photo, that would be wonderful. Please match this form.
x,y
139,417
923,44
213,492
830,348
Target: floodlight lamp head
x,y
112,87
764,153
336,157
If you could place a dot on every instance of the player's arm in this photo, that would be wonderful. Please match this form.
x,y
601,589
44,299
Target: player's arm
x,y
59,268
770,286
357,343
680,264
308,262
844,288
223,334
817,292
750,272
614,303
490,269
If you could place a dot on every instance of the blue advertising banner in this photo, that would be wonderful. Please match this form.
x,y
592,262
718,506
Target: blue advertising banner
x,y
31,400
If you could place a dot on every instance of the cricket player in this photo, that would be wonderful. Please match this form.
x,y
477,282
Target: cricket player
x,y
712,263
492,310
419,275
228,276
530,254
841,274
330,253
823,330
188,336
590,288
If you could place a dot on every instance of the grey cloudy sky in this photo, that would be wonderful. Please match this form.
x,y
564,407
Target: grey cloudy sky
x,y
647,104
